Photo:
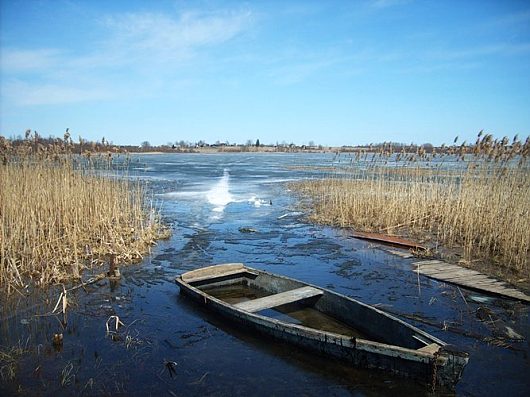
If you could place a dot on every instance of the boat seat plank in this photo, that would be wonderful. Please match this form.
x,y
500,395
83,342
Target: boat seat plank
x,y
282,298
212,272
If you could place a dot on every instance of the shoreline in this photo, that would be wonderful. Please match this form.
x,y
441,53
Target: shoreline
x,y
222,151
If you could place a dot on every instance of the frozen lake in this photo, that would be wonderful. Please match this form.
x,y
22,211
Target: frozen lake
x,y
211,202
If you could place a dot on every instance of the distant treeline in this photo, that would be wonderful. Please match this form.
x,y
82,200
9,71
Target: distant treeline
x,y
483,142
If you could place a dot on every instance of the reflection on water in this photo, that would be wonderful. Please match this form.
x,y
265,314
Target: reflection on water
x,y
235,293
214,357
219,195
309,317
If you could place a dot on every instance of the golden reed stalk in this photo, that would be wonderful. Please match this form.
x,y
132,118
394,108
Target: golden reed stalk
x,y
480,204
58,217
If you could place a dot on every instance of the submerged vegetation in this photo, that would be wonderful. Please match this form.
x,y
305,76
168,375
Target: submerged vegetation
x,y
474,198
9,359
61,213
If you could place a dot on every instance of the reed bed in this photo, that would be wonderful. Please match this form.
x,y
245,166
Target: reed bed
x,y
473,198
61,213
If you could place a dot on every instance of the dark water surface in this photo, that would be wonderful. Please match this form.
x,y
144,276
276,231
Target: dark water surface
x,y
209,200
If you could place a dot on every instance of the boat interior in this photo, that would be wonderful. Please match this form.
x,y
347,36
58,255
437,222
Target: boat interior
x,y
291,301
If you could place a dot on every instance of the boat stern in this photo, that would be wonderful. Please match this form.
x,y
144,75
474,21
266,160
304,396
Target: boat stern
x,y
448,366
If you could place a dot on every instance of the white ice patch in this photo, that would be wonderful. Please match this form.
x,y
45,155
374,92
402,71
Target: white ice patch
x,y
219,195
184,194
290,214
280,180
257,202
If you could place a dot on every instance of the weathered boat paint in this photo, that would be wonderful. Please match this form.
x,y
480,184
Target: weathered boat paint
x,y
397,347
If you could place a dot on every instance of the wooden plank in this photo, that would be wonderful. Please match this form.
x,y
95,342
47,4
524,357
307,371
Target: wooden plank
x,y
219,275
431,262
282,298
517,295
489,288
451,268
481,281
473,276
467,278
462,277
385,238
437,266
211,272
448,273
432,348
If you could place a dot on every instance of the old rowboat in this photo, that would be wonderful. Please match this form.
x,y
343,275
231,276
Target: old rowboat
x,y
323,321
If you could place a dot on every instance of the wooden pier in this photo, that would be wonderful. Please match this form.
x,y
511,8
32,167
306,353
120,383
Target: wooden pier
x,y
468,278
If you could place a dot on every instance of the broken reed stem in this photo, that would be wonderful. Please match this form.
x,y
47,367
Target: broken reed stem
x,y
403,224
61,214
480,205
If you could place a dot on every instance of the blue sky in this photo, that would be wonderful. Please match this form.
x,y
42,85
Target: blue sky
x,y
345,72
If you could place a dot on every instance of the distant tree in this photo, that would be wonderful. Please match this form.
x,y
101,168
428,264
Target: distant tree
x,y
145,145
249,142
311,143
257,142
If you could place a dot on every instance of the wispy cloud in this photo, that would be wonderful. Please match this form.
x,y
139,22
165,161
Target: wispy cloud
x,y
157,35
18,60
27,94
137,44
296,67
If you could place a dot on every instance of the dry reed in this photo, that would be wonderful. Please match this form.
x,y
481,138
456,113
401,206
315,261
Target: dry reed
x,y
60,214
473,197
9,358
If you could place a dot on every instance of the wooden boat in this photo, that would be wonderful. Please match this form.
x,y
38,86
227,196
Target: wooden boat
x,y
323,321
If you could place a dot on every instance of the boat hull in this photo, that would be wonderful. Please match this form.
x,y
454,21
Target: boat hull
x,y
444,366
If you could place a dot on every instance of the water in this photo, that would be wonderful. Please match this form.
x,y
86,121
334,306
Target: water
x,y
219,207
291,313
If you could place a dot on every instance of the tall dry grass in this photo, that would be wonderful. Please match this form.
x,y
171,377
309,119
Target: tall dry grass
x,y
60,214
480,203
